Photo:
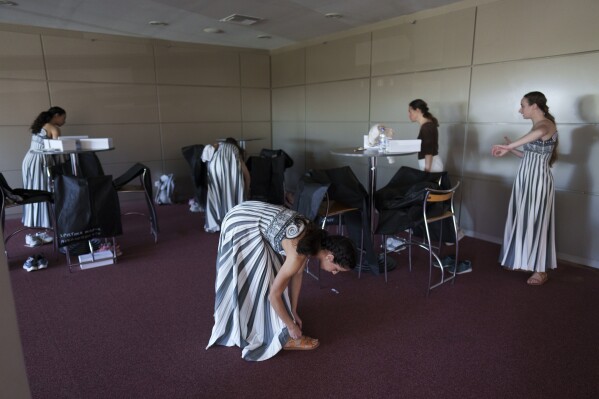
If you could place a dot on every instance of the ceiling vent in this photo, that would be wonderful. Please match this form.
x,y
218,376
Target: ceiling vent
x,y
241,19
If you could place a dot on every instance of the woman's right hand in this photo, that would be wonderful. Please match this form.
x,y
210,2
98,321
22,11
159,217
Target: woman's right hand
x,y
294,331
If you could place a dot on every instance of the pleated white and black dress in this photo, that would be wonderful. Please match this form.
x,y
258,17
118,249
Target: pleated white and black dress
x,y
225,185
529,237
34,170
249,258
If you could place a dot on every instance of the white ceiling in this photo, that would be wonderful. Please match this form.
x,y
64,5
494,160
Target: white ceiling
x,y
287,22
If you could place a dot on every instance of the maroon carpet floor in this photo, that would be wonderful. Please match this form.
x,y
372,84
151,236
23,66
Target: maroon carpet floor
x,y
138,329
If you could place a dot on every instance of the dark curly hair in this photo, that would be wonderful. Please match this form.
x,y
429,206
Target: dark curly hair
x,y
316,239
423,107
45,117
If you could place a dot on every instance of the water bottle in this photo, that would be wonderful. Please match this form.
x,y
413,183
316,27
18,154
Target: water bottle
x,y
383,140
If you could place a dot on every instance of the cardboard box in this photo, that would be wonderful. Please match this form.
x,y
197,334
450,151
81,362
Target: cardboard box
x,y
100,258
404,146
96,144
63,144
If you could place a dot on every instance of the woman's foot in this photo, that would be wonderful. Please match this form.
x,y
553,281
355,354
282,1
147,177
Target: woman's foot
x,y
537,279
304,343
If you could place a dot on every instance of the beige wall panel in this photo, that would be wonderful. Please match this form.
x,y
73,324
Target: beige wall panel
x,y
14,179
431,43
21,101
178,135
478,162
289,68
255,70
193,66
21,56
577,227
321,138
338,102
578,159
256,130
515,29
347,58
291,138
199,104
446,93
255,105
88,103
132,142
87,60
16,141
289,104
483,208
570,84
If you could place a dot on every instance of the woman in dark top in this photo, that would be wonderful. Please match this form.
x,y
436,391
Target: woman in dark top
x,y
428,157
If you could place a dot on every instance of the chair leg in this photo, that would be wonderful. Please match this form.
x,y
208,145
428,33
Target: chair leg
x,y
385,255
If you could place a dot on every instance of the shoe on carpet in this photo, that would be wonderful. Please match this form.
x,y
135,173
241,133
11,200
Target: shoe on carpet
x,y
537,279
464,267
395,244
45,237
30,264
304,343
448,261
42,262
32,240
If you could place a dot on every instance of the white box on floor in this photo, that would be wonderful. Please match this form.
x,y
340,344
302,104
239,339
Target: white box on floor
x,y
100,258
404,146
96,144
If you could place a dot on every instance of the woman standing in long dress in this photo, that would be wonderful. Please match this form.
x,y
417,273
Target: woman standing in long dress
x,y
45,126
529,237
256,291
228,181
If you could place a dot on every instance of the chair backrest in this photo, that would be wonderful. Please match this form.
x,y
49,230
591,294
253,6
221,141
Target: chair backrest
x,y
309,197
438,204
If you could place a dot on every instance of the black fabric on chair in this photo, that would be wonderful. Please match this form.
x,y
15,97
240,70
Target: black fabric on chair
x,y
267,173
399,203
309,197
17,197
144,186
199,171
347,189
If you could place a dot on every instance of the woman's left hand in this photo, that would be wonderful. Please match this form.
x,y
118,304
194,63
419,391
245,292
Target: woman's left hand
x,y
297,319
499,150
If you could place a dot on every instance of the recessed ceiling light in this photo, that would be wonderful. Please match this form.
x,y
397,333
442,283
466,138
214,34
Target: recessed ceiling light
x,y
158,23
213,30
333,15
264,37
241,19
8,3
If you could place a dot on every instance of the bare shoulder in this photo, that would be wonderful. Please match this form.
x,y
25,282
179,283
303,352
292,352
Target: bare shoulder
x,y
546,128
52,130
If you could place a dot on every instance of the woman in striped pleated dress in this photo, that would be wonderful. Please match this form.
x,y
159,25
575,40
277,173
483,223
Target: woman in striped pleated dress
x,y
228,181
529,238
34,168
256,291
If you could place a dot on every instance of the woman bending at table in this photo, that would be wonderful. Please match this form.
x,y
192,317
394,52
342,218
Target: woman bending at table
x,y
529,238
256,291
428,157
228,181
34,168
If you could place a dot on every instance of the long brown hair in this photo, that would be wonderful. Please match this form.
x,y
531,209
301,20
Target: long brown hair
x,y
536,97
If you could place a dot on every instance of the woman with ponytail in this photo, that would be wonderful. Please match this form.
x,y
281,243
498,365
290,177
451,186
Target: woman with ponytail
x,y
45,126
529,238
428,157
257,292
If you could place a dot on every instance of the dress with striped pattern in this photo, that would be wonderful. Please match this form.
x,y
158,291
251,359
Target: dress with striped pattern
x,y
529,238
248,260
34,170
225,185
